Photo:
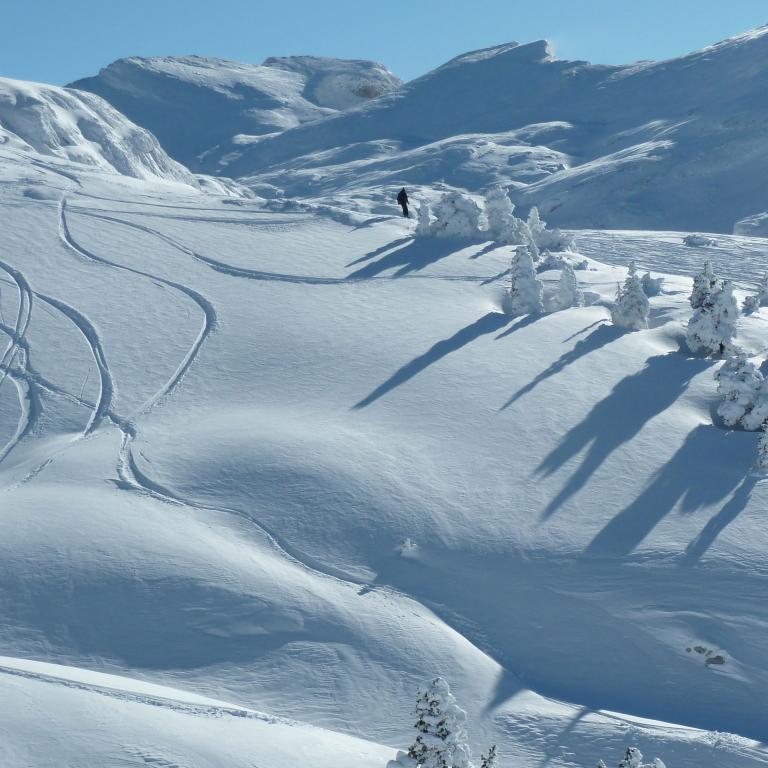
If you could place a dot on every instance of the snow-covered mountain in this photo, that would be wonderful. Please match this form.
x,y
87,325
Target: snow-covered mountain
x,y
203,110
677,143
80,128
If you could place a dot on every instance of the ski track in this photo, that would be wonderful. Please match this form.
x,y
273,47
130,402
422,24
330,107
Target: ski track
x,y
176,705
23,316
130,477
89,332
29,398
264,276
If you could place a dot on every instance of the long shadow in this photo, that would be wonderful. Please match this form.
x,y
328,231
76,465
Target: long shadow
x,y
730,511
601,336
489,323
378,251
633,402
697,475
415,254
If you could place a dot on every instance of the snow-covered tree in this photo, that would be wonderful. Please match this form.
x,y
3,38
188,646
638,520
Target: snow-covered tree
x,y
744,391
738,383
441,740
536,224
633,758
457,216
424,224
546,239
525,294
568,292
762,451
500,212
631,308
704,285
759,299
651,285
713,325
488,760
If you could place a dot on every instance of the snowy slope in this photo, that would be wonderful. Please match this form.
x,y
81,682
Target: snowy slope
x,y
220,421
202,110
671,144
80,128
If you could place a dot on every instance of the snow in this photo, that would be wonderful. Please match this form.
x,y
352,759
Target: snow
x,y
269,465
81,128
658,145
199,107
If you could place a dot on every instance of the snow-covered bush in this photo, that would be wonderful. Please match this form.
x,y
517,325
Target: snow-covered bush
x,y
651,285
751,304
759,299
631,308
408,549
704,285
525,294
547,239
568,292
697,240
744,391
424,223
633,758
441,726
713,325
500,212
457,216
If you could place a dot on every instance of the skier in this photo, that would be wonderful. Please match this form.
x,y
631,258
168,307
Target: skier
x,y
402,201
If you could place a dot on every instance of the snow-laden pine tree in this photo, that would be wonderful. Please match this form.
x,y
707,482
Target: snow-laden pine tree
x,y
424,223
713,325
704,285
525,294
457,216
546,239
758,299
441,726
500,212
568,292
739,383
631,308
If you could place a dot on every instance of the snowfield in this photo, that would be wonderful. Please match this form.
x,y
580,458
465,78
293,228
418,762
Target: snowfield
x,y
221,417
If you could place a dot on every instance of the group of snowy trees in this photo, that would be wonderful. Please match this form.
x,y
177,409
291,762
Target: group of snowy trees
x,y
742,387
458,215
441,733
441,736
525,293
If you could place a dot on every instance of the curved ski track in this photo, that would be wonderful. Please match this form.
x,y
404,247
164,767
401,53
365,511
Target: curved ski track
x,y
257,274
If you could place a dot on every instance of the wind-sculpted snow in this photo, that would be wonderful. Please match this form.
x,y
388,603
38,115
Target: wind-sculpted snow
x,y
81,128
205,111
244,413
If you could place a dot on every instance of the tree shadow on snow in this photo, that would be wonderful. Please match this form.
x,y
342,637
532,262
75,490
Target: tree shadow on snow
x,y
413,255
633,402
696,476
489,323
601,336
729,512
378,251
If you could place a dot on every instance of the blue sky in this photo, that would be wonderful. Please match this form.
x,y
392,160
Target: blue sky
x,y
58,41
